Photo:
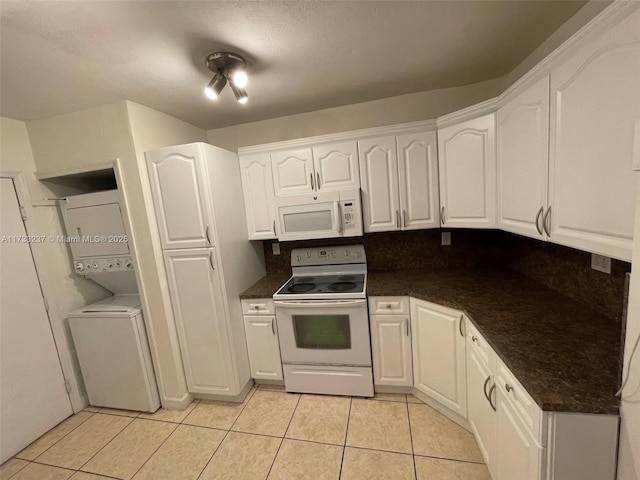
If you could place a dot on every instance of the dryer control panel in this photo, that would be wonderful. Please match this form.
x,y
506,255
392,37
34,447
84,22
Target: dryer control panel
x,y
100,265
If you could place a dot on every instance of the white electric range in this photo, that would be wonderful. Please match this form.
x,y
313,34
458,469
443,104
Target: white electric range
x,y
323,322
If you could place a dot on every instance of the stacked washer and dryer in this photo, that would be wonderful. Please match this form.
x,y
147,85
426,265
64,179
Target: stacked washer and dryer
x,y
109,336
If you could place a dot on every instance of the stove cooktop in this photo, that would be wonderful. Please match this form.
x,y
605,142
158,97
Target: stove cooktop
x,y
323,284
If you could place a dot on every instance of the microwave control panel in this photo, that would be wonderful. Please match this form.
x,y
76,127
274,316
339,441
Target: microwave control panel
x,y
349,216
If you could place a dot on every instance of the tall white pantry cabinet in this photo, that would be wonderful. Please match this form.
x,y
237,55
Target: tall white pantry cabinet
x,y
197,199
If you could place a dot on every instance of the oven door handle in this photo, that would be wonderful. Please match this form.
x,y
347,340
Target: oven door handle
x,y
323,304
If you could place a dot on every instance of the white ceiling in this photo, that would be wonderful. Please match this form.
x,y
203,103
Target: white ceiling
x,y
62,56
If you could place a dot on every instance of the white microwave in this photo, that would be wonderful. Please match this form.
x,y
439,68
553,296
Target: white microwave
x,y
319,215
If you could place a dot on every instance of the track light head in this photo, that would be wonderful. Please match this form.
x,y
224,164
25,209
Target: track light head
x,y
228,68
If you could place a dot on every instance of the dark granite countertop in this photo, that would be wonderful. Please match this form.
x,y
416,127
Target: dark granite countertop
x,y
564,354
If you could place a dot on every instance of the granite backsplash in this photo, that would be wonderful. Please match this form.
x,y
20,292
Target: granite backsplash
x,y
563,269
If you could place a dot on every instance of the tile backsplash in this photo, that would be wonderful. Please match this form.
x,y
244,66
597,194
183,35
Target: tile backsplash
x,y
563,269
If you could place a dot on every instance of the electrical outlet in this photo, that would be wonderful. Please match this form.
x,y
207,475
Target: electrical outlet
x,y
446,238
275,248
601,263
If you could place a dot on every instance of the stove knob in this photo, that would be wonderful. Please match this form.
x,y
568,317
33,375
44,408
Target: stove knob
x,y
298,258
80,267
128,264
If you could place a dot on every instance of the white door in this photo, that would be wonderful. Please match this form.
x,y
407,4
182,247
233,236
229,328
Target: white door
x,y
481,414
391,350
293,172
522,156
467,168
263,347
196,297
181,205
259,202
33,398
418,180
595,102
336,166
439,368
517,454
379,180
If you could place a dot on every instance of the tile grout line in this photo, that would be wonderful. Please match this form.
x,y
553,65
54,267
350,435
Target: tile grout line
x,y
22,468
413,452
250,395
451,459
346,434
54,443
283,436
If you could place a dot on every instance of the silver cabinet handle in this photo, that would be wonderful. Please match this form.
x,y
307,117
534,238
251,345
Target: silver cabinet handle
x,y
206,233
273,328
388,305
406,326
274,227
79,233
474,338
312,185
404,219
460,325
257,307
318,180
484,388
397,219
538,221
508,387
493,387
211,261
442,215
544,222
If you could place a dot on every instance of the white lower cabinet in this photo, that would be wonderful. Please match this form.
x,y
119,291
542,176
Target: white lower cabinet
x,y
438,343
391,350
518,456
262,339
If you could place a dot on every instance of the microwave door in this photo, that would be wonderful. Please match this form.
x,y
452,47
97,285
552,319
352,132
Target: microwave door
x,y
309,221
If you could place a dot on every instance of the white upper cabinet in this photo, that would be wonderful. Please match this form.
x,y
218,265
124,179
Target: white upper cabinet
x,y
179,196
293,172
418,180
595,101
379,180
257,187
336,166
522,156
467,168
439,365
399,179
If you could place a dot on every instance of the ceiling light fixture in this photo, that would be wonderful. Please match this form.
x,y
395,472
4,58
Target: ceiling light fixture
x,y
228,68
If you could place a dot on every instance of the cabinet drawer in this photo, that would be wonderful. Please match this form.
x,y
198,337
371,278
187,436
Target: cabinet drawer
x,y
528,410
258,306
478,344
388,305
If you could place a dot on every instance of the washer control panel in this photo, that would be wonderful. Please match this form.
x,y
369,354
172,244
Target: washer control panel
x,y
101,265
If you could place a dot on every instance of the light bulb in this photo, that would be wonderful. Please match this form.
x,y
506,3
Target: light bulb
x,y
240,78
208,91
215,86
243,100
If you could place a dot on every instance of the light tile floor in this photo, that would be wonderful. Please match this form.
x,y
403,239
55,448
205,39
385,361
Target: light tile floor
x,y
271,435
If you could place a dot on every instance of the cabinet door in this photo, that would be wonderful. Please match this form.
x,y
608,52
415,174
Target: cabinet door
x,y
467,168
179,197
391,350
293,172
439,368
517,454
418,180
263,347
481,416
194,287
259,203
336,166
522,156
379,180
595,101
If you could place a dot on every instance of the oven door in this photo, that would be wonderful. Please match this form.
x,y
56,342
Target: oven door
x,y
324,332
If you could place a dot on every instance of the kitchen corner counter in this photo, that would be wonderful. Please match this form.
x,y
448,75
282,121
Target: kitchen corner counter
x,y
266,286
564,354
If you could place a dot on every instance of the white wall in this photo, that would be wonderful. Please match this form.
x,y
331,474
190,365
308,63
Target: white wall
x,y
65,290
629,454
388,111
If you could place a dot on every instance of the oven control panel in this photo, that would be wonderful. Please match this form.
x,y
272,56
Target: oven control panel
x,y
334,255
